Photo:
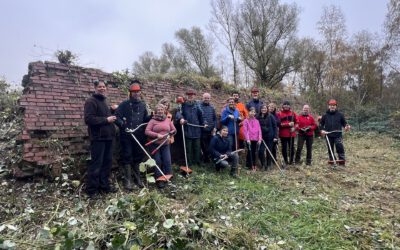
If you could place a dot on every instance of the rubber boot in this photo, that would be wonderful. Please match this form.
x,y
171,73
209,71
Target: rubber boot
x,y
128,177
136,176
234,173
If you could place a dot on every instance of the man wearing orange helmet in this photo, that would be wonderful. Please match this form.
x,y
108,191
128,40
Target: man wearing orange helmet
x,y
131,114
331,125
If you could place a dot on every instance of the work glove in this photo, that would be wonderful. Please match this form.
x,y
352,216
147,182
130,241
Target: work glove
x,y
231,117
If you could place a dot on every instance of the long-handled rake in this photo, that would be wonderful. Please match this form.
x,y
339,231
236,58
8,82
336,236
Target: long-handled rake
x,y
131,131
273,158
186,168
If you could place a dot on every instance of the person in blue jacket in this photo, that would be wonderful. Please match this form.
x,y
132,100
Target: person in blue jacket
x,y
220,150
191,116
230,117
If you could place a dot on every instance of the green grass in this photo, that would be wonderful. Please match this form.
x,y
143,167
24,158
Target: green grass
x,y
305,208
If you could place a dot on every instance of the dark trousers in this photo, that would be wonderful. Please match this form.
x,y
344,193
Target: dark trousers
x,y
98,172
338,143
264,155
287,145
193,150
251,154
205,142
163,160
130,150
308,139
234,159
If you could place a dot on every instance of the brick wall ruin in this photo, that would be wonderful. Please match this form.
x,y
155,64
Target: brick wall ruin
x,y
53,100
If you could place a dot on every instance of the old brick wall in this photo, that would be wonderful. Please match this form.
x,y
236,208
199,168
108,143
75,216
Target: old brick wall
x,y
53,101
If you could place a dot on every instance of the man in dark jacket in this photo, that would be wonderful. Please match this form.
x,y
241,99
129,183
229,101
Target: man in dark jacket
x,y
210,118
255,102
189,115
331,125
101,130
220,150
131,114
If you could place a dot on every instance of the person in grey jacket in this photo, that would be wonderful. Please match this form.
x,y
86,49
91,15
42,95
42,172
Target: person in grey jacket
x,y
191,116
210,118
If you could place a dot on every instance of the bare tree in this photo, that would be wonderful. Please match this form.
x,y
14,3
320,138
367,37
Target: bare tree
x,y
222,24
390,52
176,57
198,48
266,38
332,25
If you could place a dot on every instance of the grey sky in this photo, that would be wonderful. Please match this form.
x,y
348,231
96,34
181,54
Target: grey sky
x,y
112,34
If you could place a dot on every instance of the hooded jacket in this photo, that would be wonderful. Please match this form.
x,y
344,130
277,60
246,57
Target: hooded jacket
x,y
269,128
252,130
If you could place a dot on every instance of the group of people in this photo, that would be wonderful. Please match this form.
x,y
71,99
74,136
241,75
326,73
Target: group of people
x,y
256,127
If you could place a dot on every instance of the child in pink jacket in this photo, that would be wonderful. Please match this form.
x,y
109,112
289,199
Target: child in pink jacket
x,y
253,136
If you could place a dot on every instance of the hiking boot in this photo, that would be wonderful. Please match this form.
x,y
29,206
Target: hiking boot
x,y
128,177
161,184
136,176
109,190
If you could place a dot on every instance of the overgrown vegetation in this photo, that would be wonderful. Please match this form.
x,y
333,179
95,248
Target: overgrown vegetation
x,y
302,208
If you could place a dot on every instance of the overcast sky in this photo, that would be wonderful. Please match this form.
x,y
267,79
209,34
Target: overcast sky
x,y
111,35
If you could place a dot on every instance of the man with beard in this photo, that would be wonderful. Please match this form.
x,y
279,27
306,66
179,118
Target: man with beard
x,y
331,125
131,114
101,130
191,116
255,102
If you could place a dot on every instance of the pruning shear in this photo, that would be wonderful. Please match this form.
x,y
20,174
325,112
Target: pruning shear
x,y
161,144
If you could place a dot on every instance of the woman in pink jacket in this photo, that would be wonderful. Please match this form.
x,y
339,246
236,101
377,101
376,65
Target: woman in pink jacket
x,y
161,127
253,136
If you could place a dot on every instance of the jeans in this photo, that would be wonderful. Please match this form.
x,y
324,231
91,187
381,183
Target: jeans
x,y
163,160
98,172
234,159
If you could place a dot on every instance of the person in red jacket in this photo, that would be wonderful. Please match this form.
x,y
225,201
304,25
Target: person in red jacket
x,y
287,131
305,127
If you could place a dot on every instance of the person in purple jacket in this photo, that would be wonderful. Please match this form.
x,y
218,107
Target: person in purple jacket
x,y
252,133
